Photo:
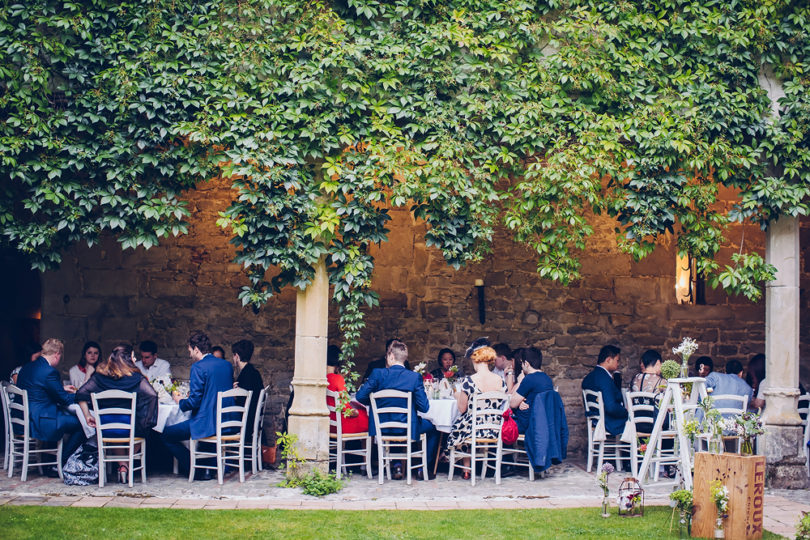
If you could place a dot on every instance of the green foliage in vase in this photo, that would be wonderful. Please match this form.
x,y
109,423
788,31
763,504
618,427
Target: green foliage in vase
x,y
471,115
670,369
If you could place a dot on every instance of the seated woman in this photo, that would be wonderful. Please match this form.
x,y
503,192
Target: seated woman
x,y
446,360
357,419
483,380
81,372
650,379
118,372
534,382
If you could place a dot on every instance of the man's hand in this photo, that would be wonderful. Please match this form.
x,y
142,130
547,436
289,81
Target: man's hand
x,y
176,396
523,405
70,388
236,385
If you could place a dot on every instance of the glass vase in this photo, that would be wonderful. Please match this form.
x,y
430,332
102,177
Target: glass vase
x,y
684,530
718,528
747,446
605,507
684,367
716,444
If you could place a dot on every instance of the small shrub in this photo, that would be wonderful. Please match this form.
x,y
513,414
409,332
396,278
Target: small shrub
x,y
803,527
318,484
670,369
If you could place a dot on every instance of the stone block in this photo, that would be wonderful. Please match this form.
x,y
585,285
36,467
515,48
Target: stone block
x,y
626,288
700,313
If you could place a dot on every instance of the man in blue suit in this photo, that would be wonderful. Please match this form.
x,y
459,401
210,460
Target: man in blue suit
x,y
209,376
397,377
48,401
601,380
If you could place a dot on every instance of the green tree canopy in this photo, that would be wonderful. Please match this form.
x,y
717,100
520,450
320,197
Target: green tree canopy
x,y
473,114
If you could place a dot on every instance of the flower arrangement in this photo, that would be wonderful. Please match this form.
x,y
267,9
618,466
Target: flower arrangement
x,y
691,429
420,368
746,426
631,498
719,494
686,349
607,468
683,501
451,374
164,386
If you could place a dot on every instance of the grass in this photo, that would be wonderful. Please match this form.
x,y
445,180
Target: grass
x,y
18,522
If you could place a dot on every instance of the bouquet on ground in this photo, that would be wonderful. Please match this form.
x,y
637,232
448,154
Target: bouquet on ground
x,y
607,468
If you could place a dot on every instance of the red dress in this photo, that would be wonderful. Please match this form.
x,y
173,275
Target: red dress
x,y
349,424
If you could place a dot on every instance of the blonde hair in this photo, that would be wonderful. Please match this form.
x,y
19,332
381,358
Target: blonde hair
x,y
399,351
119,364
483,354
52,346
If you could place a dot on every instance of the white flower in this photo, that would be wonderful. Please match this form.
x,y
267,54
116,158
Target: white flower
x,y
687,347
420,367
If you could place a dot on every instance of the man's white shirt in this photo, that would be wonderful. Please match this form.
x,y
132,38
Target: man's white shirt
x,y
160,368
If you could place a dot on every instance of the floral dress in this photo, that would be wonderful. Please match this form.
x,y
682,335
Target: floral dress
x,y
462,427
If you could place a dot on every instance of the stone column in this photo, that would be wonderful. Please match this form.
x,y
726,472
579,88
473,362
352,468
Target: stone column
x,y
309,417
784,434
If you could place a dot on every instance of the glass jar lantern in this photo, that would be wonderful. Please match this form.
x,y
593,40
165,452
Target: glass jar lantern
x,y
631,498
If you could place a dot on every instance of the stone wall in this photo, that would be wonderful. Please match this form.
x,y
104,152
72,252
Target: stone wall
x,y
188,283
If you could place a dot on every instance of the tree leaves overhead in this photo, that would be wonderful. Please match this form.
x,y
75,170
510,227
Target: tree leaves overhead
x,y
472,114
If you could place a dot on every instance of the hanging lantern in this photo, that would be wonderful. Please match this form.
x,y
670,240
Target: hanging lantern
x,y
631,498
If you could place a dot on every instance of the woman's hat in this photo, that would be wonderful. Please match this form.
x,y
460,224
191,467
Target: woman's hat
x,y
477,344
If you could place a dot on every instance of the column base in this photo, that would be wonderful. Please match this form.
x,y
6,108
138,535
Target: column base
x,y
313,441
785,463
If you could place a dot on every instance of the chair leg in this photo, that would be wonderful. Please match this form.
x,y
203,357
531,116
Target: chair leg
x,y
425,473
368,457
26,448
242,463
498,462
131,468
408,462
452,464
589,464
339,458
192,454
382,465
220,464
600,456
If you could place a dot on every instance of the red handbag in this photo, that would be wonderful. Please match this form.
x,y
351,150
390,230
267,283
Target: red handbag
x,y
509,429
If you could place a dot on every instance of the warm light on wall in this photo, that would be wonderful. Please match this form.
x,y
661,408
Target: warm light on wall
x,y
684,272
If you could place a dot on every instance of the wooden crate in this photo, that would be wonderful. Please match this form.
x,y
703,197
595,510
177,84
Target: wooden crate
x,y
744,476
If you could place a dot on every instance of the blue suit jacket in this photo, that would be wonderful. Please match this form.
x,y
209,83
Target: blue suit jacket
x,y
47,400
547,435
615,413
396,378
209,376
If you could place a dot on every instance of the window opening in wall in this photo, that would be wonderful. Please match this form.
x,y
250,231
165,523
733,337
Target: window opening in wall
x,y
690,286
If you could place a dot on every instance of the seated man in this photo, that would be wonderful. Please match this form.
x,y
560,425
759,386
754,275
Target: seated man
x,y
150,365
209,376
601,380
731,382
534,383
48,401
397,377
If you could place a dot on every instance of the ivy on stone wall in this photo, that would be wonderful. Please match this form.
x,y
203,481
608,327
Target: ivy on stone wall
x,y
527,115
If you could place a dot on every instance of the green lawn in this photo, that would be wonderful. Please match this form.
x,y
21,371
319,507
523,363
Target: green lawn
x,y
165,524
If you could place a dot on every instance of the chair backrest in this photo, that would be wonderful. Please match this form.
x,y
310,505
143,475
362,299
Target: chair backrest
x,y
729,404
594,407
334,415
17,400
642,410
803,406
6,412
487,411
231,416
258,419
110,408
390,409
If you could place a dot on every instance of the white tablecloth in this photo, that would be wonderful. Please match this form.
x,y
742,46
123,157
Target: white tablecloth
x,y
168,415
442,412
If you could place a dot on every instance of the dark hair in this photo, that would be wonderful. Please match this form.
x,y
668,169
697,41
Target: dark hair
x,y
333,355
216,348
531,355
704,360
733,367
88,345
244,348
148,346
200,341
649,358
608,351
517,354
119,364
502,349
441,353
388,343
756,370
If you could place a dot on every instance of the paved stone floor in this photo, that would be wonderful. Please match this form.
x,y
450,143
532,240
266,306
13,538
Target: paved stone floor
x,y
565,486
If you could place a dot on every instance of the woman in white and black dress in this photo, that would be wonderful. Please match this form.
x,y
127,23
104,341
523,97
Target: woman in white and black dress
x,y
482,381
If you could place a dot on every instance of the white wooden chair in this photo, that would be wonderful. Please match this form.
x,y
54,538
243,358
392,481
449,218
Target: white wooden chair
x,y
803,407
735,405
229,439
255,454
519,456
395,447
104,404
641,408
338,440
6,424
21,440
482,448
612,446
